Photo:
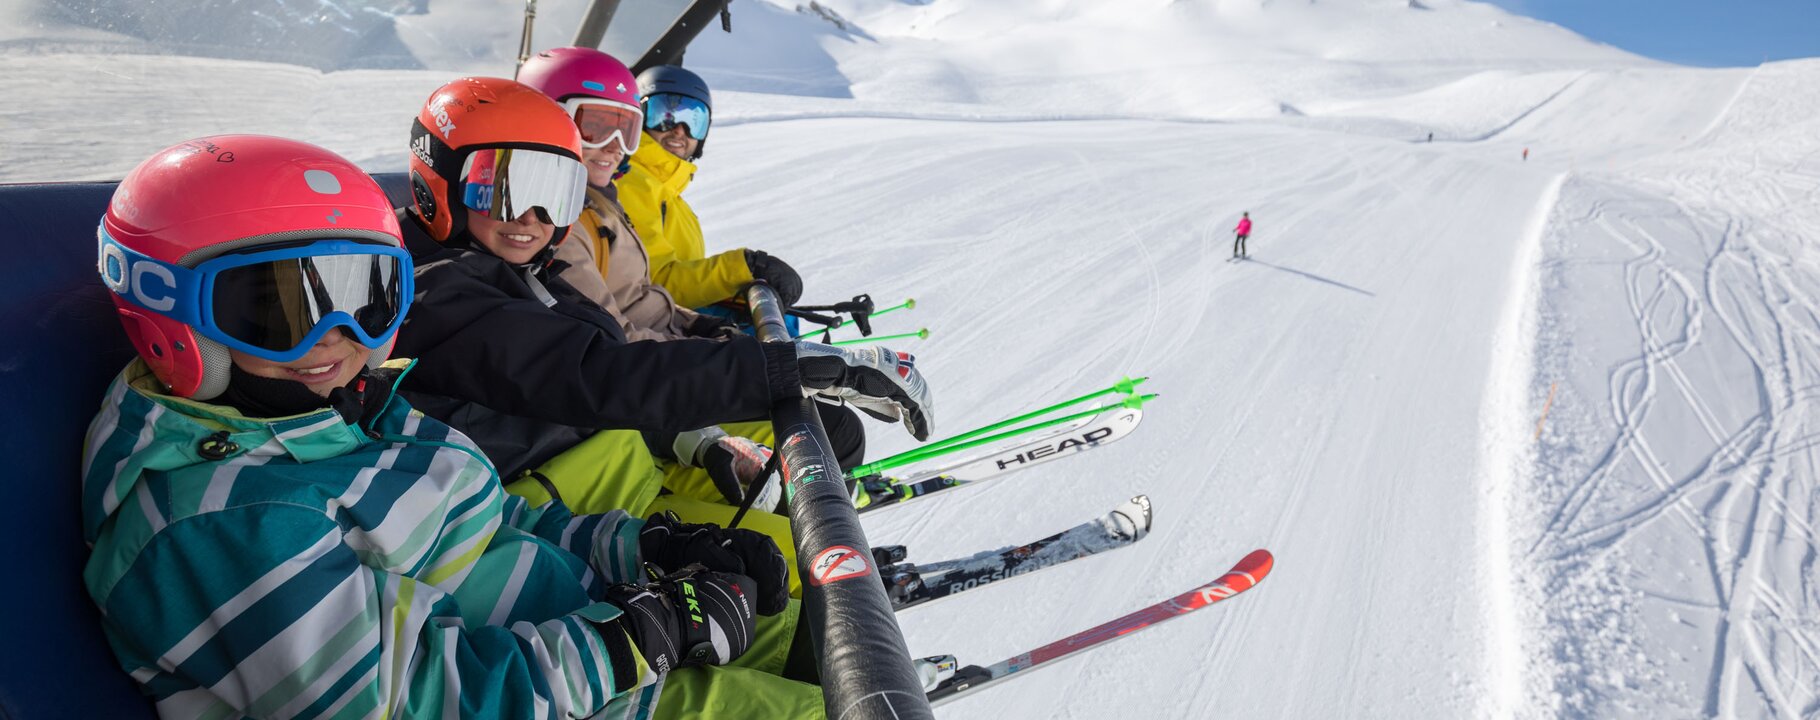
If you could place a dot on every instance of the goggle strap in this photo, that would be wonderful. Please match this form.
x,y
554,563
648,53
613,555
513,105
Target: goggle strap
x,y
166,288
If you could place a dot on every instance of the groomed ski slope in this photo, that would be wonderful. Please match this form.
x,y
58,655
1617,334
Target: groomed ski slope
x,y
1365,397
1321,400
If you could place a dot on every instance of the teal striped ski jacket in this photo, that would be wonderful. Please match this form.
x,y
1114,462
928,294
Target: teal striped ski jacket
x,y
309,567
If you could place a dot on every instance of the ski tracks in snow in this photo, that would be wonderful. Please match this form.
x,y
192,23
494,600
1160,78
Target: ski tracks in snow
x,y
1676,497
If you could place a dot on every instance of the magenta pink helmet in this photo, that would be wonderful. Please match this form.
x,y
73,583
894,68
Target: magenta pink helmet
x,y
564,72
600,94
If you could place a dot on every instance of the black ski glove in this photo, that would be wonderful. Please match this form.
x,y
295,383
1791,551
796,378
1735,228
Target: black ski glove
x,y
709,326
777,274
880,382
685,619
671,544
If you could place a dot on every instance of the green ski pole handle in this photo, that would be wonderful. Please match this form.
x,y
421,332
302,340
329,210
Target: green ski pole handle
x,y
921,454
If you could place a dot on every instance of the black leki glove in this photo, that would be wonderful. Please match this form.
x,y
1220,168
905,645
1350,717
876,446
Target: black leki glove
x,y
671,544
687,618
879,381
776,273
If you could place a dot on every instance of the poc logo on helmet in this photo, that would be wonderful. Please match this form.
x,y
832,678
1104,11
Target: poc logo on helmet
x,y
131,279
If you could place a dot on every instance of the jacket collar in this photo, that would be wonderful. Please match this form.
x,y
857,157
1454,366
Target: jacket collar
x,y
308,437
602,198
674,172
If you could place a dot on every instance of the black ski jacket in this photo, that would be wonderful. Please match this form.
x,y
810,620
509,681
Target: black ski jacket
x,y
526,366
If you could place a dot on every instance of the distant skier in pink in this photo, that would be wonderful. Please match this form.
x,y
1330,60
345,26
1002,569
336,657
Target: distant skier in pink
x,y
1242,232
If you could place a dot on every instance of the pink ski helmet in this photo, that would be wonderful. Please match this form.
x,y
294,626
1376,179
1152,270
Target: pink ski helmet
x,y
600,94
198,240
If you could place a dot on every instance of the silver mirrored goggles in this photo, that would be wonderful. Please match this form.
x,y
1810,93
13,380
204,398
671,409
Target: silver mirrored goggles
x,y
506,183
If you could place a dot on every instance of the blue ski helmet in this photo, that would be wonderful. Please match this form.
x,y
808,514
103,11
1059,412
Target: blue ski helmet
x,y
675,80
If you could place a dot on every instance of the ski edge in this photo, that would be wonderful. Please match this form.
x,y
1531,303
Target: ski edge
x,y
1244,575
1141,529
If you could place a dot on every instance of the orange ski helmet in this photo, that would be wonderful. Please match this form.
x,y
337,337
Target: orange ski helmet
x,y
496,146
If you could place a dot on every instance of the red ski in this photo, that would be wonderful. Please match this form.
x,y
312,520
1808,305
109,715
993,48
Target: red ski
x,y
1243,576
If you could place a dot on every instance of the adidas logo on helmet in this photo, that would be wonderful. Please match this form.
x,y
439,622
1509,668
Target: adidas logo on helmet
x,y
420,146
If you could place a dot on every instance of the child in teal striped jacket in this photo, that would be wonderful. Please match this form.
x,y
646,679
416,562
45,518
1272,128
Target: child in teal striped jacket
x,y
275,533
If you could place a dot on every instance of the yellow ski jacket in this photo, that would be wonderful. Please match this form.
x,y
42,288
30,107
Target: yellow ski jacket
x,y
651,193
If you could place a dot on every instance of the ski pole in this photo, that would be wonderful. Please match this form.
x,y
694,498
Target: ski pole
x,y
923,333
921,454
905,305
837,322
1126,386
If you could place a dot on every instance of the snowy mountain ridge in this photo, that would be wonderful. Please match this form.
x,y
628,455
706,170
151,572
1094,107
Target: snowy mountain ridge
x,y
1221,59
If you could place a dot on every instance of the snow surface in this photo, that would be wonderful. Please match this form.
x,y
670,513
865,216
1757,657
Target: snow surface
x,y
1528,438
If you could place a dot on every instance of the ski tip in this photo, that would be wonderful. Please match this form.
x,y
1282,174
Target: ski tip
x,y
1141,504
1132,519
1257,565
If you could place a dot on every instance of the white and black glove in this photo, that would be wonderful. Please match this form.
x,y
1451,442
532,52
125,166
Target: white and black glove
x,y
688,618
732,462
879,381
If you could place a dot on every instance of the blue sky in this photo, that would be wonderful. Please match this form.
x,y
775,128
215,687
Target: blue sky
x,y
1689,32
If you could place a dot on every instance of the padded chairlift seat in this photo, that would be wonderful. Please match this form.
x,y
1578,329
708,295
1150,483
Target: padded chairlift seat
x,y
60,345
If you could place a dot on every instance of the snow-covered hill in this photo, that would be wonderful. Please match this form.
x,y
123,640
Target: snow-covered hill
x,y
1146,58
1530,438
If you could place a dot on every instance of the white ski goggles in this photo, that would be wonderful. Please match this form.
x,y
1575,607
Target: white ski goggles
x,y
603,121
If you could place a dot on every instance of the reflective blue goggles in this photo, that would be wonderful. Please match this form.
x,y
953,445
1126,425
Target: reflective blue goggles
x,y
275,302
667,110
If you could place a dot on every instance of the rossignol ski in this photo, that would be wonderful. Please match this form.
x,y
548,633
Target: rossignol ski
x,y
875,492
914,584
947,682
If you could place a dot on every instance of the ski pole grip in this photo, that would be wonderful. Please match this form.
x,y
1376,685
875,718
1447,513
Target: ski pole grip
x,y
865,664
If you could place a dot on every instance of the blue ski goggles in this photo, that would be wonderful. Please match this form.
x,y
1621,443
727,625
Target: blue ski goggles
x,y
667,110
277,301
